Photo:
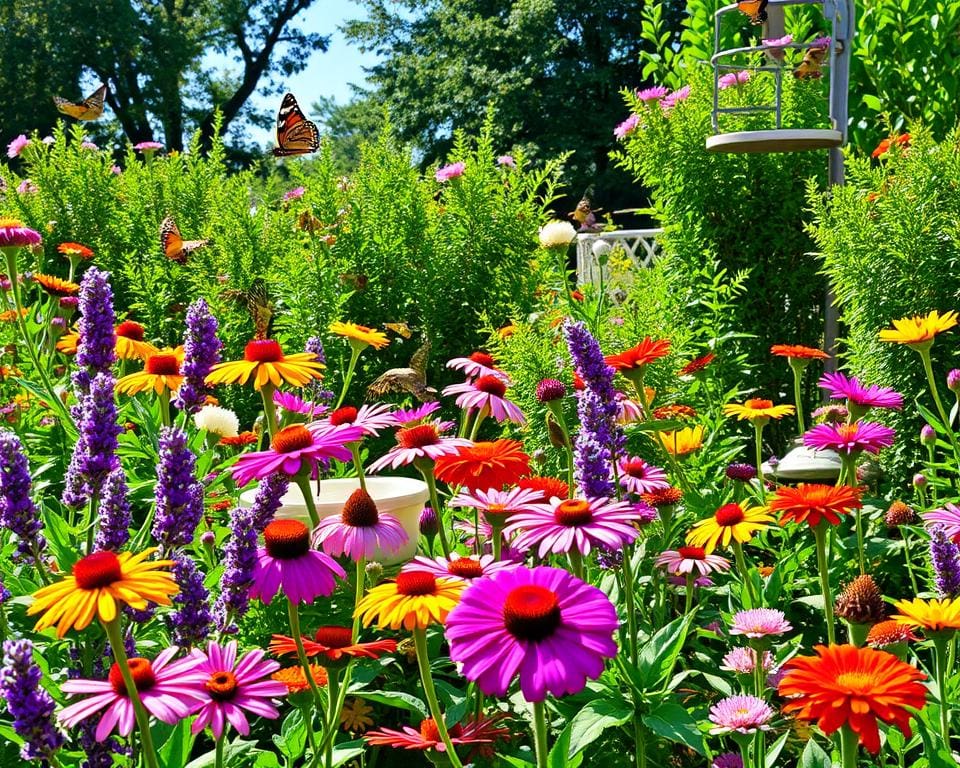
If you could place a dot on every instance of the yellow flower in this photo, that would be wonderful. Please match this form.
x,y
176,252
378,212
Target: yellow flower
x,y
415,600
919,330
732,522
757,410
97,584
264,360
130,342
161,371
930,615
360,333
355,716
682,442
68,343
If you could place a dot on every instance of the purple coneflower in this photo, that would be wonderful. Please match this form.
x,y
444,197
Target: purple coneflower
x,y
689,559
286,562
637,476
476,365
367,418
740,714
423,441
759,622
849,439
294,446
574,524
856,394
498,506
486,393
948,516
360,530
411,417
467,568
291,403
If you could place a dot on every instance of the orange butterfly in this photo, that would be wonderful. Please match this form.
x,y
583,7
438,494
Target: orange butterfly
x,y
809,68
89,109
174,246
755,9
295,134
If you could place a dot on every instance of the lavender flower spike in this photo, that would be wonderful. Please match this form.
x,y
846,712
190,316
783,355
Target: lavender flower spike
x,y
113,530
18,513
190,621
240,557
95,350
201,351
268,499
945,558
178,494
95,452
30,706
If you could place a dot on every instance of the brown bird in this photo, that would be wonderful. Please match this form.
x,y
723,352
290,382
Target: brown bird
x,y
809,68
412,380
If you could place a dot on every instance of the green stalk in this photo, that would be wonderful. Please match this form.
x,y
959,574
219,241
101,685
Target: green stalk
x,y
426,677
358,464
932,382
940,642
143,719
628,587
798,369
745,573
481,416
293,612
758,438
165,407
426,469
303,483
357,597
671,459
576,562
355,349
269,408
218,756
540,734
688,601
820,535
848,747
333,696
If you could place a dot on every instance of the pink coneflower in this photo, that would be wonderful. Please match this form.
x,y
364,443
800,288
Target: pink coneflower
x,y
15,147
627,127
742,714
452,171
148,147
13,234
681,581
230,687
733,78
567,524
487,393
360,530
628,411
294,404
655,93
476,365
688,559
839,387
423,441
482,732
411,417
467,568
293,194
759,622
743,661
849,438
637,476
291,447
948,516
507,161
498,506
542,625
832,413
672,99
168,692
286,562
368,418
778,42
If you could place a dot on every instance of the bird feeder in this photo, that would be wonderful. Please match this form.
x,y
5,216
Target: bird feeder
x,y
780,139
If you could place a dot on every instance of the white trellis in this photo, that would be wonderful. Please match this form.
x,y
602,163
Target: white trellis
x,y
638,245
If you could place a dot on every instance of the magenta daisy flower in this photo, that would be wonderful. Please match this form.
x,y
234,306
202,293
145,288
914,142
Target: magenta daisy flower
x,y
411,417
627,127
291,403
566,524
424,441
368,418
675,97
230,687
759,622
849,438
690,559
361,530
733,78
948,516
742,714
743,661
477,365
839,387
497,506
293,446
637,476
655,93
542,625
777,42
286,562
467,568
628,411
168,692
487,392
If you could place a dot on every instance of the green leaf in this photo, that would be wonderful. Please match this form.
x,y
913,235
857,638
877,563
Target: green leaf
x,y
659,654
231,754
292,739
397,699
872,102
587,725
516,762
673,722
266,760
347,751
814,757
61,538
176,749
559,756
773,753
937,755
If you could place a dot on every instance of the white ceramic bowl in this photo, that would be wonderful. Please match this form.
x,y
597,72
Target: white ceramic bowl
x,y
402,497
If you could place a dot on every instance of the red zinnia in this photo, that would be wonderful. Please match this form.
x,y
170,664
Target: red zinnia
x,y
798,352
887,144
812,502
664,497
855,687
636,357
549,487
244,438
484,465
697,364
674,411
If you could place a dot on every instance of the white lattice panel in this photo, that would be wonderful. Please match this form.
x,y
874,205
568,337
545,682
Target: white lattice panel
x,y
629,250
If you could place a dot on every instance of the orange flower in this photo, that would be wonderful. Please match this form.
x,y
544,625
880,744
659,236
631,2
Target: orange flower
x,y
697,364
636,357
675,411
244,438
845,685
56,286
75,250
812,502
296,680
798,352
484,465
130,342
548,486
161,371
10,315
886,145
265,362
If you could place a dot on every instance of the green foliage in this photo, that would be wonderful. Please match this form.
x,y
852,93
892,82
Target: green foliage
x,y
890,248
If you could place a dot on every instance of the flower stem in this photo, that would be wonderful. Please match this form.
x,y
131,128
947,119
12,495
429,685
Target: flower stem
x,y
758,435
688,600
358,464
165,407
333,711
269,408
928,369
303,483
848,747
540,733
143,719
628,587
797,399
427,472
820,535
357,597
293,612
940,642
481,416
576,562
218,757
351,367
745,574
423,662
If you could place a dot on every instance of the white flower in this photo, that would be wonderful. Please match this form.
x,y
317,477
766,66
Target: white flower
x,y
557,234
217,421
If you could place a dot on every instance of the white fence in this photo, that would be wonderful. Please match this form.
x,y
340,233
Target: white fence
x,y
639,246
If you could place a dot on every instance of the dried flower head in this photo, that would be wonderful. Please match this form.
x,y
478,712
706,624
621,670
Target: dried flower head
x,y
861,602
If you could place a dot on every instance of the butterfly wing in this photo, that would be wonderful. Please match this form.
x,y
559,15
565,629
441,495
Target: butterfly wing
x,y
809,68
400,328
295,134
261,310
172,243
419,360
755,9
89,109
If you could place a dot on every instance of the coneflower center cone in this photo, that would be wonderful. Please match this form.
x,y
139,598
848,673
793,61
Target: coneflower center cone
x,y
345,415
334,637
729,514
262,351
140,670
483,359
130,330
416,583
286,539
573,512
360,511
492,385
692,553
531,612
222,686
296,437
98,570
163,365
466,568
418,437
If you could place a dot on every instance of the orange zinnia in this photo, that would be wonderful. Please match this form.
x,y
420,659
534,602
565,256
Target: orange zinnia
x,y
56,286
77,250
812,502
845,685
548,486
798,352
636,357
697,364
482,466
296,679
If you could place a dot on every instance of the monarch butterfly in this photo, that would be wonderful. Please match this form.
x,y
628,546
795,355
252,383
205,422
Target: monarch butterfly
x,y
89,109
258,304
174,246
295,134
399,328
755,9
809,68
